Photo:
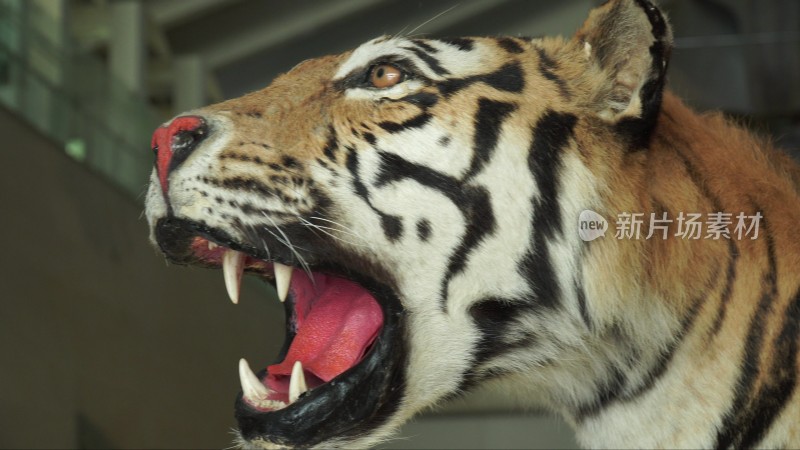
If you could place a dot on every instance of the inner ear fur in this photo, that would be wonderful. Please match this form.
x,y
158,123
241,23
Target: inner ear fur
x,y
627,44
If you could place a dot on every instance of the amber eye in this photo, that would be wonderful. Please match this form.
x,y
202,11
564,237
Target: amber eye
x,y
385,75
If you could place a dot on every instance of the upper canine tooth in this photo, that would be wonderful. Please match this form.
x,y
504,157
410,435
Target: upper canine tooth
x,y
212,245
283,275
297,382
232,267
253,390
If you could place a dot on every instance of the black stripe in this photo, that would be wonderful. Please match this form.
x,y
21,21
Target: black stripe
x,y
538,268
548,68
738,420
331,145
510,45
421,99
716,204
425,46
392,225
582,308
250,159
495,318
637,131
479,216
509,78
414,122
473,202
488,120
424,230
775,394
252,210
244,184
607,392
463,44
656,371
324,164
394,168
290,162
352,165
430,61
727,293
550,136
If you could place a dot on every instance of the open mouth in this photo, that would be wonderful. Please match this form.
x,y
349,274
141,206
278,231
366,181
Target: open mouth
x,y
340,370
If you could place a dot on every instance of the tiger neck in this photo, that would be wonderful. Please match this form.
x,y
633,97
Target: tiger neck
x,y
636,302
622,317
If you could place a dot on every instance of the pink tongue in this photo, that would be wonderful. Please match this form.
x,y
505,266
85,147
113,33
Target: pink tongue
x,y
336,321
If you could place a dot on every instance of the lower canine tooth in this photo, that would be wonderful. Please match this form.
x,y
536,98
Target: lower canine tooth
x,y
283,275
253,390
232,267
297,383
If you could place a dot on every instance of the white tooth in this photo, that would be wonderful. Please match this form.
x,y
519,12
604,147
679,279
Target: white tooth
x,y
212,245
283,275
297,383
232,267
254,391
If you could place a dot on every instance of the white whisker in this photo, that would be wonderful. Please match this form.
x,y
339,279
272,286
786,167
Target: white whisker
x,y
431,19
266,248
343,228
312,231
288,243
337,230
322,229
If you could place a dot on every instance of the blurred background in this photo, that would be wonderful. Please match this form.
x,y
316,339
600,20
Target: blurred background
x,y
105,346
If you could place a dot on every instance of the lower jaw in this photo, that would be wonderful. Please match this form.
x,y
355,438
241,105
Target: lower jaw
x,y
354,403
362,398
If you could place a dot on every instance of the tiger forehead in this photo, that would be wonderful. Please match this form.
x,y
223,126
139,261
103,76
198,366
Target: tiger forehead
x,y
303,84
438,58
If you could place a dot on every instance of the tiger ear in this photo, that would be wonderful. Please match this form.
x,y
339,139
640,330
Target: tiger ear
x,y
627,44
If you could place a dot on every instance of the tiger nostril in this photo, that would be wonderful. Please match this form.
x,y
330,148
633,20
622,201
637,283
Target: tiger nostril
x,y
186,134
187,139
173,143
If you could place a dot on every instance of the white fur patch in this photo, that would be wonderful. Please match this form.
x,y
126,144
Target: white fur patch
x,y
457,61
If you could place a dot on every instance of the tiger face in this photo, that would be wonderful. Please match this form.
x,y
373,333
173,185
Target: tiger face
x,y
410,200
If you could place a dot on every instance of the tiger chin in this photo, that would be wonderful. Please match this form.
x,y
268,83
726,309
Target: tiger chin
x,y
416,203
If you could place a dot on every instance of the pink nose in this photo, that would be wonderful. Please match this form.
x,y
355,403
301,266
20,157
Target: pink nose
x,y
173,143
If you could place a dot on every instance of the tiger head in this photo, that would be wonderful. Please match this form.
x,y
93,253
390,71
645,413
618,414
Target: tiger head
x,y
409,199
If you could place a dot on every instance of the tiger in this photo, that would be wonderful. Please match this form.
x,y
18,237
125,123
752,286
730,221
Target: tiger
x,y
418,204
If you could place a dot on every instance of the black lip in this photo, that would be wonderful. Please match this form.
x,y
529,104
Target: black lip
x,y
174,237
358,400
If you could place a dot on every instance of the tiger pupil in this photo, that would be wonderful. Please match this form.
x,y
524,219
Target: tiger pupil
x,y
380,72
